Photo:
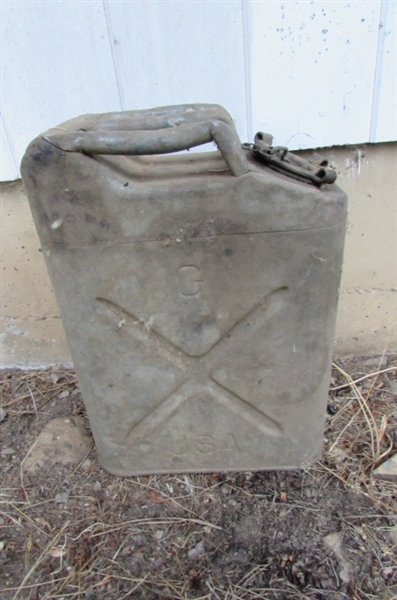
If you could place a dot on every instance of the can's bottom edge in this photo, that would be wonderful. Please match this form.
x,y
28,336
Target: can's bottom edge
x,y
252,468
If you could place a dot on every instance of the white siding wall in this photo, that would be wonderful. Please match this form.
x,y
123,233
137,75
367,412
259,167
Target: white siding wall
x,y
313,73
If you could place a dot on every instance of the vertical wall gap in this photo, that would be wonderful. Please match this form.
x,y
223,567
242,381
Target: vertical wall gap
x,y
246,14
373,129
11,148
113,53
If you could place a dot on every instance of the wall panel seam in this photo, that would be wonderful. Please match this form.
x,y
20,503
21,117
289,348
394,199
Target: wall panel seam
x,y
10,146
247,69
113,53
377,84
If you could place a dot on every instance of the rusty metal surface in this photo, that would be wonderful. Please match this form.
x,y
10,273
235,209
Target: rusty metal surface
x,y
315,170
199,305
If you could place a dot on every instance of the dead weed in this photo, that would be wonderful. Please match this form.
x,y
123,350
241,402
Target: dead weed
x,y
327,532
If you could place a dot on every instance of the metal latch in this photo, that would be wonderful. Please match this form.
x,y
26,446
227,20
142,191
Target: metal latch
x,y
314,170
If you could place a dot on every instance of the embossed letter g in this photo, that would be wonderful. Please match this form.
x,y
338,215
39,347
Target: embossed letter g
x,y
189,280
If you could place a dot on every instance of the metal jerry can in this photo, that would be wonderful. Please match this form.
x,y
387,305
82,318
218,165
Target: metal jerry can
x,y
198,291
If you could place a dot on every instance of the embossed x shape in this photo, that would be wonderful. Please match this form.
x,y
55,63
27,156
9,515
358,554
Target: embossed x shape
x,y
197,373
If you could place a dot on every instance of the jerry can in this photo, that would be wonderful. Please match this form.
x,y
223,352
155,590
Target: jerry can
x,y
198,291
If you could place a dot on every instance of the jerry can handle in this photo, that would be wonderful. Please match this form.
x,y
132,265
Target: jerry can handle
x,y
156,131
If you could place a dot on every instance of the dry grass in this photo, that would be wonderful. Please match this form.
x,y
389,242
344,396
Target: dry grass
x,y
241,536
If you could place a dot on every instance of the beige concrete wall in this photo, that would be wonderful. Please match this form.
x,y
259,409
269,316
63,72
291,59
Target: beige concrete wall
x,y
31,330
367,316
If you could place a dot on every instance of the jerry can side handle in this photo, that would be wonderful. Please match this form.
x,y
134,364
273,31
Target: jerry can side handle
x,y
185,127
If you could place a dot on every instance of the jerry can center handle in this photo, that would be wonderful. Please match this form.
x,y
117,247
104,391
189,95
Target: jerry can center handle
x,y
181,128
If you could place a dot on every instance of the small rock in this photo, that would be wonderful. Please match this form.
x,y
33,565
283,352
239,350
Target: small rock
x,y
338,454
376,361
387,572
55,377
61,497
393,387
64,394
61,441
158,534
197,552
3,414
393,535
137,563
97,486
387,470
188,484
139,541
126,551
327,584
6,451
333,542
157,564
89,592
241,556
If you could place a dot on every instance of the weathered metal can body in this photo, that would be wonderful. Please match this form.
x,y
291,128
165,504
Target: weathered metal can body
x,y
199,305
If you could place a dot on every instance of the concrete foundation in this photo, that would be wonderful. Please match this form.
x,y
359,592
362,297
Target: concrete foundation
x,y
31,330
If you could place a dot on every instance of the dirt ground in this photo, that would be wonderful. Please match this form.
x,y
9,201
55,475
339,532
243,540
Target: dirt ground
x,y
328,532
